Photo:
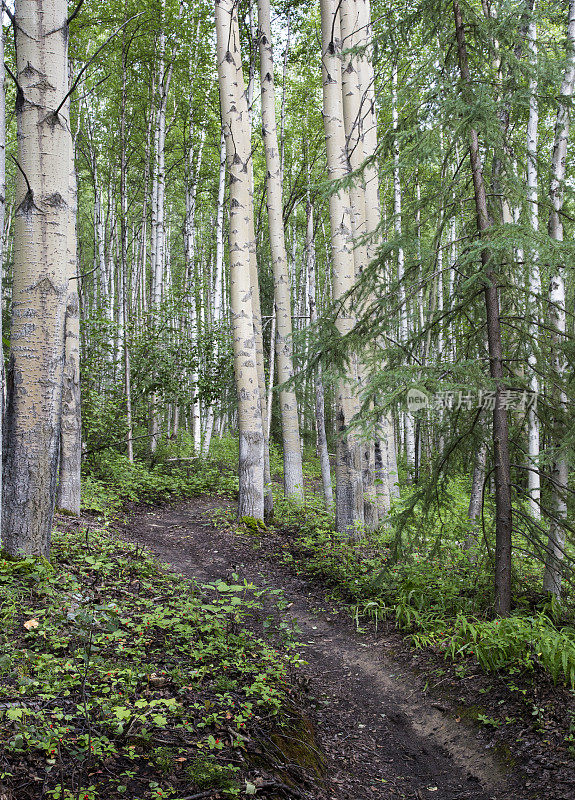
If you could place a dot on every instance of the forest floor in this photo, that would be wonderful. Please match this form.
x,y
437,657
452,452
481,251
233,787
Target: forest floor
x,y
387,726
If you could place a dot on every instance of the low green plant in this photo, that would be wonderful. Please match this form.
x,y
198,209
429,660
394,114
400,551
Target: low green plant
x,y
103,654
207,773
426,583
110,479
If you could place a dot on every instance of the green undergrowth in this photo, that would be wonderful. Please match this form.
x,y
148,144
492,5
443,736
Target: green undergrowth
x,y
119,679
110,480
432,592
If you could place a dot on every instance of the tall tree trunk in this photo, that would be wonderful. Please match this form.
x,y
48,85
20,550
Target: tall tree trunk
x,y
2,239
236,126
158,218
272,369
218,293
403,322
191,276
143,255
219,277
123,278
503,518
322,450
558,319
533,476
68,495
386,463
349,484
293,473
40,291
475,502
254,278
352,91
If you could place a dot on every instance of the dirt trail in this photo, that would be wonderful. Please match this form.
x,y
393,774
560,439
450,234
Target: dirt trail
x,y
382,737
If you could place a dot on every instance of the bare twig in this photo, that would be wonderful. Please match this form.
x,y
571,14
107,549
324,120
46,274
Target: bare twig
x,y
90,60
75,12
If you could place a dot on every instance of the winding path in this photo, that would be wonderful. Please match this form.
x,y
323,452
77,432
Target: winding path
x,y
383,738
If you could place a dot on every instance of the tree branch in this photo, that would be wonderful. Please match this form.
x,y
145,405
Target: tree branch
x,y
90,60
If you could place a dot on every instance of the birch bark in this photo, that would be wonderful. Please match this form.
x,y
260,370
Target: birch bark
x,y
349,483
158,211
476,503
235,122
533,477
318,382
385,446
123,277
190,257
68,494
254,278
293,474
403,326
558,318
33,414
218,293
352,95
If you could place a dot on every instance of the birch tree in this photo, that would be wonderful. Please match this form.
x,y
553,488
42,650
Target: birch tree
x,y
293,474
385,449
349,483
69,489
318,382
40,291
398,226
235,122
558,319
352,95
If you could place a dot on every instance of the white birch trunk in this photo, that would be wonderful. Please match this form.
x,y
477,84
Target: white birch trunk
x,y
476,502
68,494
293,472
322,450
352,91
403,327
123,276
40,291
190,255
236,126
254,278
218,289
349,484
272,368
158,209
557,314
219,279
386,467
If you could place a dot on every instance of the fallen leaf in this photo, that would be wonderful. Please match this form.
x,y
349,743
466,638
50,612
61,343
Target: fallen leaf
x,y
158,680
32,623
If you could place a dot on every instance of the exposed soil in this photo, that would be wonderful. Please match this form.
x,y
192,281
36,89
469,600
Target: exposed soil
x,y
382,733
